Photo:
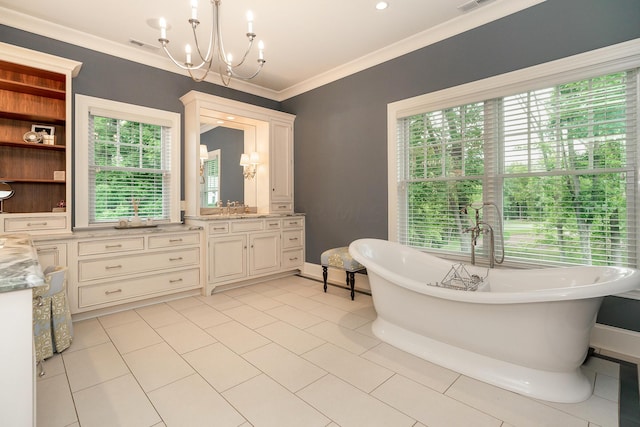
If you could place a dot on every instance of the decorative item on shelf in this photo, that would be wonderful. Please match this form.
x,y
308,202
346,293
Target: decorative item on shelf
x,y
215,52
5,192
48,139
62,207
59,175
249,163
43,129
135,221
32,137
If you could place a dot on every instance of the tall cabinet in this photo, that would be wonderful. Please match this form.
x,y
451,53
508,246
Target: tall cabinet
x,y
35,96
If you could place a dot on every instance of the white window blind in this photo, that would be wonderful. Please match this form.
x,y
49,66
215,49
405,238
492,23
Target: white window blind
x,y
211,185
129,163
560,162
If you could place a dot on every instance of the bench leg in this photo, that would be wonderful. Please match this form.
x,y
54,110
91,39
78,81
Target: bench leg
x,y
351,282
324,276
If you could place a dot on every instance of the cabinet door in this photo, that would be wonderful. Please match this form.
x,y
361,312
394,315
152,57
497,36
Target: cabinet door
x,y
52,254
227,258
265,252
281,162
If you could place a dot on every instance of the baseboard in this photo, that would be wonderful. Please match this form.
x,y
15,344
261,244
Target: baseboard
x,y
617,340
336,277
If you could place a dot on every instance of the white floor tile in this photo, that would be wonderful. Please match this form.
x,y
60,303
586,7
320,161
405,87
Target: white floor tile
x,y
205,316
430,407
298,301
607,387
265,403
52,366
185,336
237,337
221,367
287,368
507,406
342,337
350,407
192,402
220,301
93,365
87,333
117,319
290,337
601,411
298,318
249,316
118,402
340,317
54,402
159,315
183,303
419,370
347,366
133,336
258,301
157,366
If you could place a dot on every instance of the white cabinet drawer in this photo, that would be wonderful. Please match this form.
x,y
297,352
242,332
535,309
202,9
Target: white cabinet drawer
x,y
148,286
281,207
292,259
272,224
107,246
173,240
35,223
130,264
247,226
218,227
291,239
293,222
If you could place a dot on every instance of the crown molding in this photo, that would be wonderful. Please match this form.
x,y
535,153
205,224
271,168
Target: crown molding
x,y
475,18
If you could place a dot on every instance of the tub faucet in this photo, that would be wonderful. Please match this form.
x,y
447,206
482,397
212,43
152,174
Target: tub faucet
x,y
481,227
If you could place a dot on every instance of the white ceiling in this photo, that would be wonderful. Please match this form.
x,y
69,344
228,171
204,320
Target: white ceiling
x,y
308,43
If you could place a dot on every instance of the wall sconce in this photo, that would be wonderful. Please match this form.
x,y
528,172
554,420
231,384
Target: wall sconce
x,y
249,163
204,155
5,192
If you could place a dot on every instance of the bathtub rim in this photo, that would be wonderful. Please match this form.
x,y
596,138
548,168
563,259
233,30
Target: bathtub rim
x,y
629,281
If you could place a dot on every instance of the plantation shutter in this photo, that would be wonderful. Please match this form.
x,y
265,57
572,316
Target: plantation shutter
x,y
128,161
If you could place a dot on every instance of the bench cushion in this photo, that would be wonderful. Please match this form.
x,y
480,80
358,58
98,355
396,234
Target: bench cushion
x,y
340,258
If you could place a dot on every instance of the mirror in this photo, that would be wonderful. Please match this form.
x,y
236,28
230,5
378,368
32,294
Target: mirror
x,y
222,173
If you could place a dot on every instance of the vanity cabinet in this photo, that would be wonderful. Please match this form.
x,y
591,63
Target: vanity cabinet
x,y
118,269
52,253
281,166
250,249
35,89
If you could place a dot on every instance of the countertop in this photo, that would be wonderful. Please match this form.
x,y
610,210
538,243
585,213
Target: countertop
x,y
19,268
91,232
225,217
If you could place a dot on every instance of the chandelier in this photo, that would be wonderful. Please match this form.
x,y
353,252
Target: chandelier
x,y
215,53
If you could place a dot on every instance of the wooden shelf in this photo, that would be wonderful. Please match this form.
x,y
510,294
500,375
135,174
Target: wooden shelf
x,y
30,180
31,89
35,146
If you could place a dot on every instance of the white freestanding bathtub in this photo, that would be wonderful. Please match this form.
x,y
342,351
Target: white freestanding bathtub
x,y
523,330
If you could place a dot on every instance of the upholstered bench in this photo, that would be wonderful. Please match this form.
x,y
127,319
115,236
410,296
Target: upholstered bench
x,y
340,258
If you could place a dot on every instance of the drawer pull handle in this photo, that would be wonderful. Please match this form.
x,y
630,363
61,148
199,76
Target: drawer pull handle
x,y
175,280
295,258
31,224
282,207
112,292
176,259
275,224
219,228
112,267
175,240
293,223
119,245
53,249
291,239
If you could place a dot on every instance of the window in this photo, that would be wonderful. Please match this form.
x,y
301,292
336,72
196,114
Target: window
x,y
210,183
554,164
127,159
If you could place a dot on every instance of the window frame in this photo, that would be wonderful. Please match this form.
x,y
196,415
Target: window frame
x,y
607,60
84,105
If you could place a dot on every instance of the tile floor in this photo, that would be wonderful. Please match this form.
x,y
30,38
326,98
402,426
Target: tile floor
x,y
281,353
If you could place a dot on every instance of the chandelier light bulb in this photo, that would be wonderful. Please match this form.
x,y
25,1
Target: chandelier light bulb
x,y
249,22
163,28
194,9
187,51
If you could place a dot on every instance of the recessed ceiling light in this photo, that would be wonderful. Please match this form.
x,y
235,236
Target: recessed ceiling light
x,y
382,5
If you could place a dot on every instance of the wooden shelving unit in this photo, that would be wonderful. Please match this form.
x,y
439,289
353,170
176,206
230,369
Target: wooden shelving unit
x,y
31,96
